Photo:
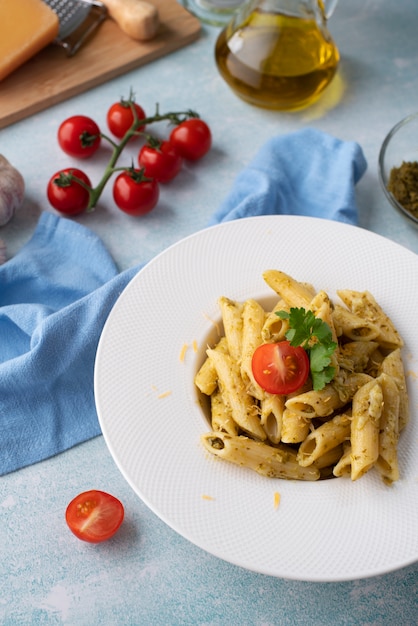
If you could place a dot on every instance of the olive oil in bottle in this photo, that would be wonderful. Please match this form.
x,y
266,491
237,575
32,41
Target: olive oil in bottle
x,y
276,61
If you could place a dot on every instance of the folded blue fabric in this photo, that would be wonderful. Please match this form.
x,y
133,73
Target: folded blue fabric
x,y
307,172
55,296
57,292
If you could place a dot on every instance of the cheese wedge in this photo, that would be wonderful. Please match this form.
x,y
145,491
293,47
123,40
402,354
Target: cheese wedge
x,y
26,26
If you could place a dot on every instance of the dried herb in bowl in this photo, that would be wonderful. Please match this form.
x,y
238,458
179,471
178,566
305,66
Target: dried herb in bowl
x,y
403,185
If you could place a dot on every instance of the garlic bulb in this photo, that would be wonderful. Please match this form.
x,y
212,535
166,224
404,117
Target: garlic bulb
x,y
12,190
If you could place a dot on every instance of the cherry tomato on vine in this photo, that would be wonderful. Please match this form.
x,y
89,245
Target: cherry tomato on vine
x,y
79,136
192,139
67,195
160,160
94,516
134,193
120,117
280,368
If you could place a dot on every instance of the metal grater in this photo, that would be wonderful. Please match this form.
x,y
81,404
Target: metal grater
x,y
78,19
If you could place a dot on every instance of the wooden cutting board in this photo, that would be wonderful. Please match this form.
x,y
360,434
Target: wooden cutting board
x,y
51,77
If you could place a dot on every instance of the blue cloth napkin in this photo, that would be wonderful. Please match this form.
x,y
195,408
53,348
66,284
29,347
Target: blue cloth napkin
x,y
57,292
307,172
55,296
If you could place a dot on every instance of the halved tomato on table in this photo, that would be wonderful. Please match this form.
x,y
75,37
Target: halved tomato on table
x,y
94,516
280,368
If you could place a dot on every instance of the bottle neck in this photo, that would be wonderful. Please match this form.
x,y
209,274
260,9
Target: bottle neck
x,y
320,9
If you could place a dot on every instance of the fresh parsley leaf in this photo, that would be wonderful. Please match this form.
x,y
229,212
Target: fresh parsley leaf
x,y
321,355
315,336
320,379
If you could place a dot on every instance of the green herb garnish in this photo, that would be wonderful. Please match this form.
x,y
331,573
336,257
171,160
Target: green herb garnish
x,y
315,336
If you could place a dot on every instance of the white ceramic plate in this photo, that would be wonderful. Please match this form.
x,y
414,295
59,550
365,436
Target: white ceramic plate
x,y
151,419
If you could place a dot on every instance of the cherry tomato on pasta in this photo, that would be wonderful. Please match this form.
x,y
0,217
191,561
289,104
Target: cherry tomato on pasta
x,y
280,368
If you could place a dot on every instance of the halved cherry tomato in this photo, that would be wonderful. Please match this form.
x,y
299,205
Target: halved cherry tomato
x,y
79,136
192,139
160,160
66,195
135,194
94,516
280,368
120,117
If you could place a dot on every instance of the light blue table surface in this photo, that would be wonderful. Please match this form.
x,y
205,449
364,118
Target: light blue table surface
x,y
149,575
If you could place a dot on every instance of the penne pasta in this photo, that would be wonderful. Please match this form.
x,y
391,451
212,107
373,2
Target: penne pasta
x,y
364,305
232,321
353,326
206,379
367,409
234,395
343,466
354,356
320,441
341,425
393,366
375,362
295,427
387,462
274,462
328,460
274,328
221,415
294,293
322,308
271,416
334,396
253,317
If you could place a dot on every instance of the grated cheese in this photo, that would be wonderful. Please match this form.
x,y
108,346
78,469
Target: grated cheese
x,y
165,394
183,352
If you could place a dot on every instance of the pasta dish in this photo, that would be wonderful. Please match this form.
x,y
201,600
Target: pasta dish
x,y
344,425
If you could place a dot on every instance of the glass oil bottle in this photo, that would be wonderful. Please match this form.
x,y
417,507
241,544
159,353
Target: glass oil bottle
x,y
278,54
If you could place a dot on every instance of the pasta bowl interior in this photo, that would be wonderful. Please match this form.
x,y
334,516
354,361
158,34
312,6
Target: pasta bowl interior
x,y
153,419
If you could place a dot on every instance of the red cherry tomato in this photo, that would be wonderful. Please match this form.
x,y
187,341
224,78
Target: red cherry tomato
x,y
280,368
160,161
79,136
66,195
192,139
94,516
135,195
120,117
